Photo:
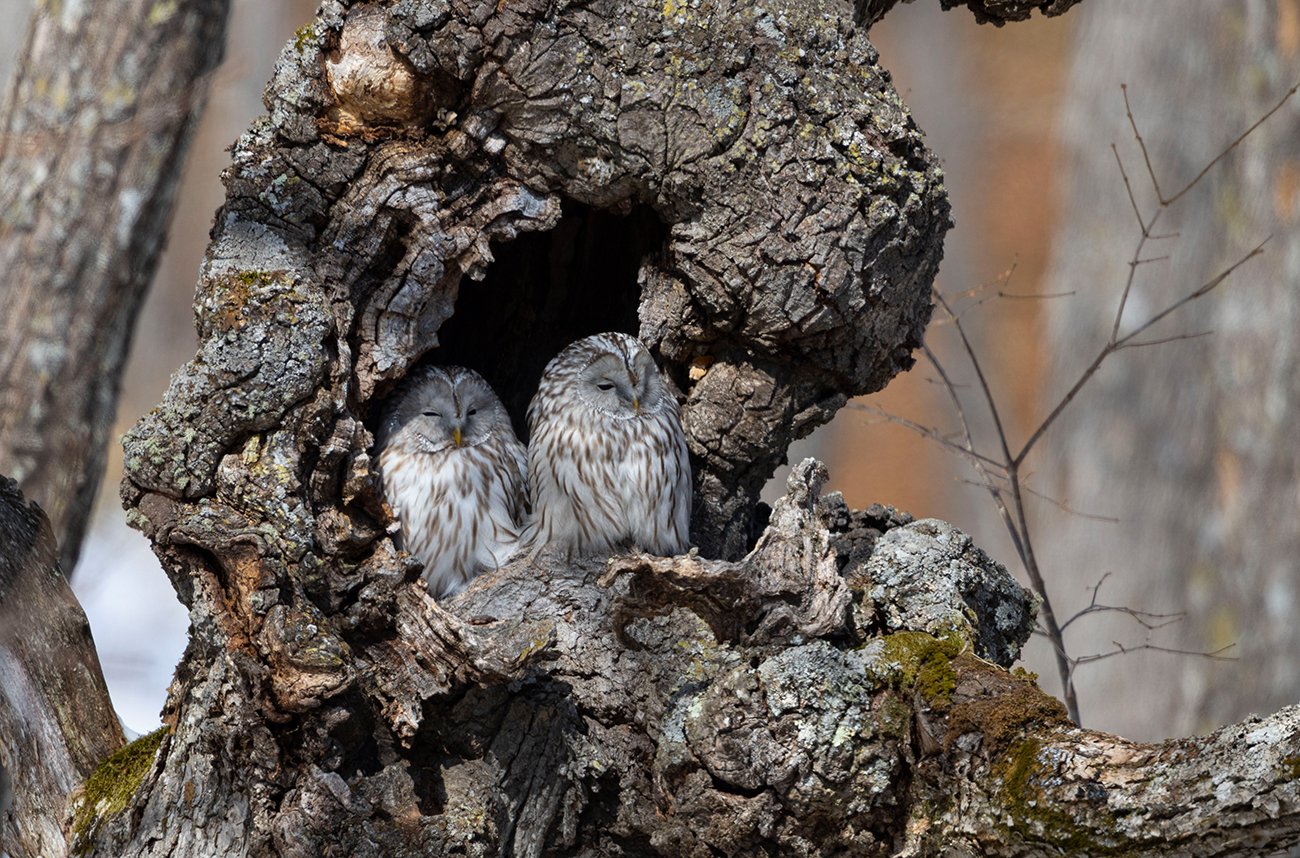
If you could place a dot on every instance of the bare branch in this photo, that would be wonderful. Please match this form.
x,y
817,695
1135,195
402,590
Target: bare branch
x,y
1147,620
989,400
1233,145
1142,144
1008,485
1064,507
1015,517
924,431
1120,649
1037,295
1163,340
998,501
1060,407
1128,188
1206,288
1132,274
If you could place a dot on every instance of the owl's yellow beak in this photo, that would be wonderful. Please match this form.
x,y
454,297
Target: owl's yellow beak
x,y
455,435
636,405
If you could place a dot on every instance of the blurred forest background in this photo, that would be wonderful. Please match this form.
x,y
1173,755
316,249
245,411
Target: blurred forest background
x,y
1190,447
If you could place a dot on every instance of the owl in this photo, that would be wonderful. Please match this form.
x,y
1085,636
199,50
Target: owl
x,y
607,461
453,471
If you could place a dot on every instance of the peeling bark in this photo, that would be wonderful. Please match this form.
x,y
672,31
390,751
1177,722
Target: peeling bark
x,y
105,99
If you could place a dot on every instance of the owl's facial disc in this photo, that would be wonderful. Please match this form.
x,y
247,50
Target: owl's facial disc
x,y
439,420
474,420
621,388
609,386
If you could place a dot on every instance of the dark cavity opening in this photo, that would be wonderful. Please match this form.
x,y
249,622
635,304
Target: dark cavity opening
x,y
545,290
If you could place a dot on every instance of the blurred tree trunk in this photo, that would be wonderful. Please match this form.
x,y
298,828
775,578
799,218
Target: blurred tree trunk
x,y
106,95
1192,445
56,721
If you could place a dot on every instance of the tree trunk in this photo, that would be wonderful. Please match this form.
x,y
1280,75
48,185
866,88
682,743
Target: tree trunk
x,y
105,98
1192,445
56,722
838,689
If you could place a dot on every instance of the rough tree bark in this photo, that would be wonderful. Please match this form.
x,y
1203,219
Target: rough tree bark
x,y
838,689
105,97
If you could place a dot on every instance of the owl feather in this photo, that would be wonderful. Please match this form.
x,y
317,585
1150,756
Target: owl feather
x,y
453,472
607,457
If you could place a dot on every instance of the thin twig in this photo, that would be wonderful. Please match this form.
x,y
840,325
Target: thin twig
x,y
936,381
1128,187
990,486
1120,649
1061,505
1163,340
1196,180
1205,289
923,431
1145,619
1037,295
1142,144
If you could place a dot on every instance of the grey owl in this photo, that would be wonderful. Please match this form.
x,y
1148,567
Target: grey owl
x,y
453,471
607,460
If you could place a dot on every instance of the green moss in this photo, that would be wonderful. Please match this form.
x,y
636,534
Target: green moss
x,y
1291,765
924,663
1021,763
1027,675
303,36
1024,769
1013,716
234,297
540,640
1002,718
1022,774
110,787
935,679
894,717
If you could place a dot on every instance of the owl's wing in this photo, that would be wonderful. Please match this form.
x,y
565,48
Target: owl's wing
x,y
518,481
683,490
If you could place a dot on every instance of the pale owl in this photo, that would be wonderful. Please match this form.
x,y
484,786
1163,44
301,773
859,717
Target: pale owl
x,y
453,471
607,459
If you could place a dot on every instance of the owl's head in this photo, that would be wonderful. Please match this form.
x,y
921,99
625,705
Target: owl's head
x,y
619,377
443,408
